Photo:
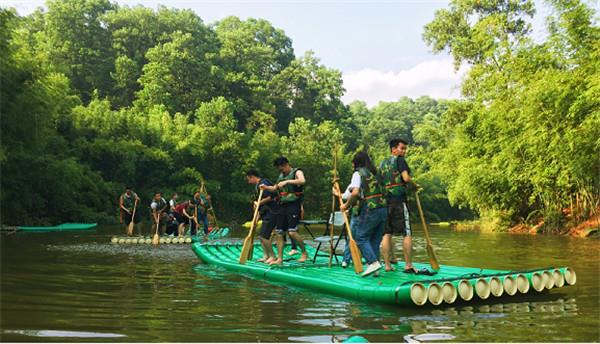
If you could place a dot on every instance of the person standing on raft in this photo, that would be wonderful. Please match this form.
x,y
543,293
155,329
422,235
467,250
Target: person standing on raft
x,y
198,207
290,185
369,209
396,176
159,208
127,202
268,212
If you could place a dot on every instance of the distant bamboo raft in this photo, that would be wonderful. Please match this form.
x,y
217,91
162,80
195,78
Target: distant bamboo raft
x,y
166,239
148,240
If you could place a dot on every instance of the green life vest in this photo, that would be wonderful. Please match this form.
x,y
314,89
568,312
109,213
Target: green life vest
x,y
201,208
128,200
160,204
290,193
372,193
392,179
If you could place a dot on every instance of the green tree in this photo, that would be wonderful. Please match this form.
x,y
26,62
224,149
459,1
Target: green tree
x,y
309,90
79,45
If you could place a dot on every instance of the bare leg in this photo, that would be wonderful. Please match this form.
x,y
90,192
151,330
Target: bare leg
x,y
407,248
181,229
387,245
279,260
264,244
294,235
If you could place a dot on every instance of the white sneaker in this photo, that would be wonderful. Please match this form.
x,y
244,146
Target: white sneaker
x,y
344,264
371,268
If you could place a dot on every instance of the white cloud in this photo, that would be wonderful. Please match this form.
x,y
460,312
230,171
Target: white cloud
x,y
435,78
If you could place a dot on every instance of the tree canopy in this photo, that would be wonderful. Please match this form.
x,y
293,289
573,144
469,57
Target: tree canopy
x,y
96,96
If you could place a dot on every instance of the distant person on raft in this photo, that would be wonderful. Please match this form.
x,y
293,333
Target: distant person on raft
x,y
290,188
197,212
127,202
159,209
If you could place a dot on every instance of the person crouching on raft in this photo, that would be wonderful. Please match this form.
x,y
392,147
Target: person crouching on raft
x,y
290,185
181,217
160,208
369,207
396,176
268,212
127,202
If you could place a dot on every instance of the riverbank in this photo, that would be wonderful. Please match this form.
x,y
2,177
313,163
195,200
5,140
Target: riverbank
x,y
588,228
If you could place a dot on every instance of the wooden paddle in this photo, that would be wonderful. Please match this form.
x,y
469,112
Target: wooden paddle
x,y
156,237
210,206
251,250
354,251
195,217
432,258
332,208
249,241
130,228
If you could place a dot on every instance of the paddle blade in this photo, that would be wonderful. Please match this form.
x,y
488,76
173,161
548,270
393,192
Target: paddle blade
x,y
245,250
130,229
356,257
432,258
155,239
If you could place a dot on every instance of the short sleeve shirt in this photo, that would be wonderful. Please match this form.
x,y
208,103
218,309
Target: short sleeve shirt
x,y
354,184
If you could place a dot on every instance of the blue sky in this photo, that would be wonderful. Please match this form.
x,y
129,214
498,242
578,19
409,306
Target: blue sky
x,y
377,45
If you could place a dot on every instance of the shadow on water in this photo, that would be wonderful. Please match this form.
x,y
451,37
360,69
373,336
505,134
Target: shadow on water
x,y
79,287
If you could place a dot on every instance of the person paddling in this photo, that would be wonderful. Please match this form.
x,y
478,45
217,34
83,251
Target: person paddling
x,y
396,176
268,212
368,205
290,185
159,208
181,217
127,202
198,206
173,202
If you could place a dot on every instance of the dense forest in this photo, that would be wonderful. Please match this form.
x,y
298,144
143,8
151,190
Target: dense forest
x,y
95,96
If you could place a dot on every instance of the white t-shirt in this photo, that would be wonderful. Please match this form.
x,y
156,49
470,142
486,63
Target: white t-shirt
x,y
154,204
354,183
172,203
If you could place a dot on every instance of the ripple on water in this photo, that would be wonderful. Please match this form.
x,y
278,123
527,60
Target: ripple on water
x,y
428,337
64,334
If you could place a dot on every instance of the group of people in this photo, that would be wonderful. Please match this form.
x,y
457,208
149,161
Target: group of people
x,y
169,218
377,199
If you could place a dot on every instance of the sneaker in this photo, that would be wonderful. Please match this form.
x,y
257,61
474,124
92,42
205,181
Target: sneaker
x,y
371,268
344,264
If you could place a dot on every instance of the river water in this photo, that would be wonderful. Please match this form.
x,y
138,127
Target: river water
x,y
78,287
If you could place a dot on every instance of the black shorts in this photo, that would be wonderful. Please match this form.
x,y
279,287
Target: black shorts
x,y
268,224
398,218
288,217
180,218
127,217
172,228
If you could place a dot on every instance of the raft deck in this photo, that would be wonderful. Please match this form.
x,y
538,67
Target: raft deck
x,y
448,285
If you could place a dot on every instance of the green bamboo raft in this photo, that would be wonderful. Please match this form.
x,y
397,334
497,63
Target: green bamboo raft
x,y
65,227
213,235
449,285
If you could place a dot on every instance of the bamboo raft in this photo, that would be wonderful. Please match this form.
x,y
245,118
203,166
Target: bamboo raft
x,y
215,234
450,284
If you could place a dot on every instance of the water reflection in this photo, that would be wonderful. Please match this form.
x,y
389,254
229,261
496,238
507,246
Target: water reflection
x,y
84,284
